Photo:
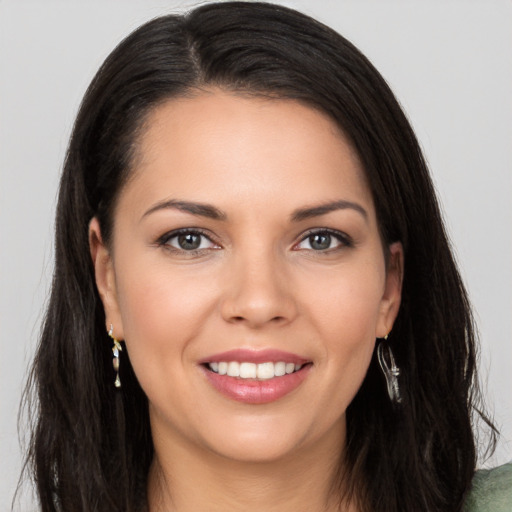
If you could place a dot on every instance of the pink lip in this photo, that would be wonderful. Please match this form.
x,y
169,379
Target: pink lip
x,y
252,391
255,356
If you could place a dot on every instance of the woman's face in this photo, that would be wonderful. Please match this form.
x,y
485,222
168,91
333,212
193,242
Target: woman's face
x,y
247,241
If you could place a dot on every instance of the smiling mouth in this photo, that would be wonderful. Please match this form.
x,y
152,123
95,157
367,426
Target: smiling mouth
x,y
246,370
253,377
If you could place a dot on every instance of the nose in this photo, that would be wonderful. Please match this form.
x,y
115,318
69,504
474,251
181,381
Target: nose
x,y
259,293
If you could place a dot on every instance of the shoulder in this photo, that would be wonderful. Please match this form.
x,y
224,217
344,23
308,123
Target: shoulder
x,y
491,490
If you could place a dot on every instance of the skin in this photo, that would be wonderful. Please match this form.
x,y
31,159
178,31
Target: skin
x,y
256,282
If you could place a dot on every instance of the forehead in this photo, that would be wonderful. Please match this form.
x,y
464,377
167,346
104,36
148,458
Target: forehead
x,y
218,143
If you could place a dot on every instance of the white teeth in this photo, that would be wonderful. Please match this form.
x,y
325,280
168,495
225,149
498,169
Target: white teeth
x,y
265,371
279,369
223,368
247,370
234,369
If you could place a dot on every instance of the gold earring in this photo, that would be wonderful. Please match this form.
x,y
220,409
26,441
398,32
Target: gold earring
x,y
115,361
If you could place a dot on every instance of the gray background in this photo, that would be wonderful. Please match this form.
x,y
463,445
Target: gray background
x,y
449,63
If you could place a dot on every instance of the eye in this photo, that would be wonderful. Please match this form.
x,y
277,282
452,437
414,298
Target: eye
x,y
324,240
188,240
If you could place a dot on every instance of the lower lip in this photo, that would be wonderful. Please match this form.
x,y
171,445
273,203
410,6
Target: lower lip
x,y
251,391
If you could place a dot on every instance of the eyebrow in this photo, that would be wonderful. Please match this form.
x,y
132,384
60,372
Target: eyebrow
x,y
211,212
323,209
200,209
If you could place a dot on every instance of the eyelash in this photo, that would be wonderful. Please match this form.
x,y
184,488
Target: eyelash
x,y
344,240
164,240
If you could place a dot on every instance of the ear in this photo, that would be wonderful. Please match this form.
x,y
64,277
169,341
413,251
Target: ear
x,y
105,279
390,302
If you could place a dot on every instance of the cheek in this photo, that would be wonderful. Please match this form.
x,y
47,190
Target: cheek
x,y
346,314
161,315
347,304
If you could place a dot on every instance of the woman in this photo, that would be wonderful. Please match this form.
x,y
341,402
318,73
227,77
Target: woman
x,y
249,309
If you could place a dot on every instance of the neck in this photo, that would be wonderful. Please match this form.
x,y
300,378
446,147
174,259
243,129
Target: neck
x,y
185,478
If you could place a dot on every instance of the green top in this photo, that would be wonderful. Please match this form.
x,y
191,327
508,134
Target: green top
x,y
491,490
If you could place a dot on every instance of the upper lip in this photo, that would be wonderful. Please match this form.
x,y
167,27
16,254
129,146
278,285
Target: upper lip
x,y
255,356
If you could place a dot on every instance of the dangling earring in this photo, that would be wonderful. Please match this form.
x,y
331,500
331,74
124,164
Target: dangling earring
x,y
115,361
391,373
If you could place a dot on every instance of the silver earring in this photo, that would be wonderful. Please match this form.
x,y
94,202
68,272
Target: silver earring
x,y
390,370
116,348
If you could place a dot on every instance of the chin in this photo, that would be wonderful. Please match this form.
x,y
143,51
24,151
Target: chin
x,y
261,440
256,450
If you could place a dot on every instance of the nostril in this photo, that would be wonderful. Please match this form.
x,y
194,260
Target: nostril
x,y
275,319
257,311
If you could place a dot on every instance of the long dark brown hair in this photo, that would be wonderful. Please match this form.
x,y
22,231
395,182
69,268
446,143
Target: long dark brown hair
x,y
91,445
